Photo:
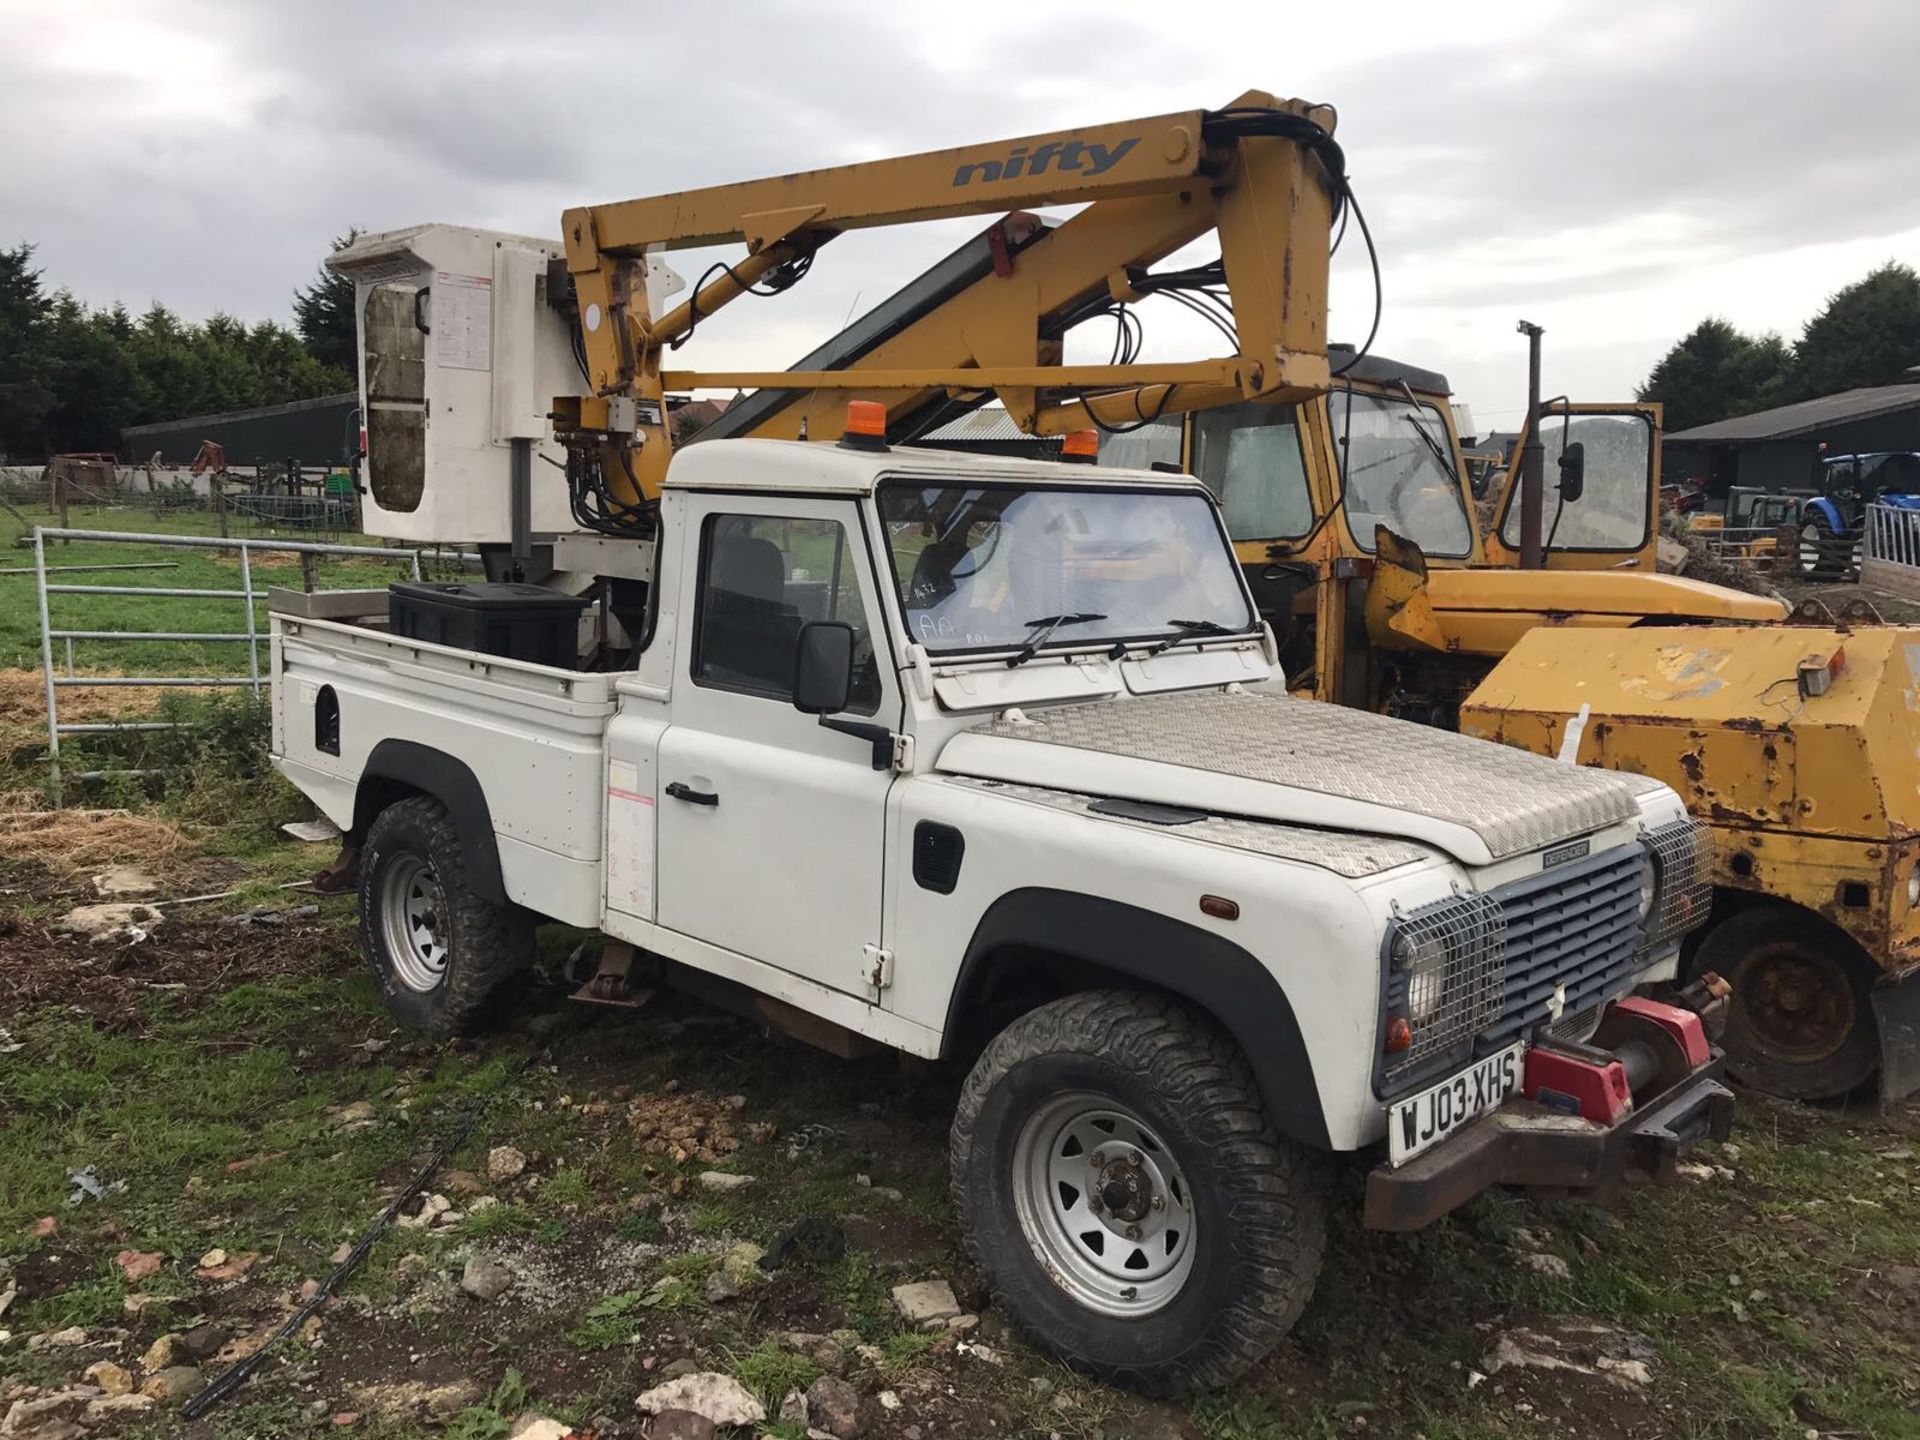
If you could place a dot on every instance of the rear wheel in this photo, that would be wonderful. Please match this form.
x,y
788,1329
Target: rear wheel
x,y
1825,554
1801,1023
1123,1196
440,952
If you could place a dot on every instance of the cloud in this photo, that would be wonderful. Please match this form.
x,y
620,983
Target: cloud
x,y
1603,170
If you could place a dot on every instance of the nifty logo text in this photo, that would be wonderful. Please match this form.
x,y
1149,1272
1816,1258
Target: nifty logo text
x,y
1078,155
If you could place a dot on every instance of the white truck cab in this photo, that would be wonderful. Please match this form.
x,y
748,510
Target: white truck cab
x,y
992,760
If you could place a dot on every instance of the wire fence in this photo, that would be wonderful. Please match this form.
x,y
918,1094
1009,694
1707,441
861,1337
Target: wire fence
x,y
266,499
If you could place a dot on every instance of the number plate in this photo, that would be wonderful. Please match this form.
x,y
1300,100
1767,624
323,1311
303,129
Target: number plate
x,y
1424,1120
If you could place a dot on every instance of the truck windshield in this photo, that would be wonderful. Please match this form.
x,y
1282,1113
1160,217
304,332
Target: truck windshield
x,y
1397,470
1000,567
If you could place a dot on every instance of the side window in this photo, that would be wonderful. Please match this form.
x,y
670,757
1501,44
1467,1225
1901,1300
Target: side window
x,y
1249,457
761,578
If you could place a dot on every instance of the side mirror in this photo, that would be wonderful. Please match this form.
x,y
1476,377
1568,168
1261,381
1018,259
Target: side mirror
x,y
1573,471
823,668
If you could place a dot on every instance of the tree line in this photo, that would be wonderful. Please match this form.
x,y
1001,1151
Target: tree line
x,y
73,375
1866,334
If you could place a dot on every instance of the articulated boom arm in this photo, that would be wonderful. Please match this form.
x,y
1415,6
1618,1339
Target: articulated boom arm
x,y
1264,173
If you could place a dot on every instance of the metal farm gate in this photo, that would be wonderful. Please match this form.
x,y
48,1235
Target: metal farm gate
x,y
61,673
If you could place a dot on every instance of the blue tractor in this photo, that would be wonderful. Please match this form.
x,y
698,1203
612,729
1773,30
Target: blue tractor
x,y
1832,523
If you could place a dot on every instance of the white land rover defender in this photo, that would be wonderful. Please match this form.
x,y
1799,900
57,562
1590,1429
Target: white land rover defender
x,y
991,760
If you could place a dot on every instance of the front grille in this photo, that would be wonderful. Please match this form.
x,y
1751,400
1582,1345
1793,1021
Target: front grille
x,y
1576,1027
1686,891
1572,932
1551,949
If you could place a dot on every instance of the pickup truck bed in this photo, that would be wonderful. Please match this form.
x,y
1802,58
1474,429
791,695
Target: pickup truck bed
x,y
533,736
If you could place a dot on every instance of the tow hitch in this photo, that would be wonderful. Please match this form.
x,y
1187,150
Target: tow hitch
x,y
1636,1098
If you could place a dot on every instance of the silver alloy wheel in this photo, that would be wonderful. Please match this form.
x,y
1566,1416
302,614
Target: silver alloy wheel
x,y
1104,1205
413,916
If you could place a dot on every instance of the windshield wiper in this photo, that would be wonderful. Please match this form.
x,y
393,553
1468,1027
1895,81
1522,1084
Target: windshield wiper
x,y
1042,630
1434,448
1186,629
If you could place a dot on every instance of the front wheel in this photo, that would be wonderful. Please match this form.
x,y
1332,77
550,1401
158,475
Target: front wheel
x,y
1801,1024
1120,1190
440,952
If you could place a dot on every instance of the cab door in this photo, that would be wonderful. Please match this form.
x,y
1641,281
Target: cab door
x,y
772,826
1615,522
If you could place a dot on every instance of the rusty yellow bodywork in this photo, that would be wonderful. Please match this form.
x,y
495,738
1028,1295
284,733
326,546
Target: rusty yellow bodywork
x,y
1487,612
1811,798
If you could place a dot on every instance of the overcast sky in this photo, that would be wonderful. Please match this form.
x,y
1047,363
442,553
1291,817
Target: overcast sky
x,y
1615,173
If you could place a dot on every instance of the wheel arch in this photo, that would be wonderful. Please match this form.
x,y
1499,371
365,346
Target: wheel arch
x,y
1034,945
398,769
1824,507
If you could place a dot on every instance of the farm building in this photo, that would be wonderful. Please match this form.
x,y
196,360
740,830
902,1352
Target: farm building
x,y
1780,449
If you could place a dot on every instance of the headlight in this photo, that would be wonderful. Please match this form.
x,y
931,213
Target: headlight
x,y
1425,963
1913,888
1649,884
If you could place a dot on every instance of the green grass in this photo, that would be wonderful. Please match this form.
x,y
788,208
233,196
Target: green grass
x,y
495,1418
770,1371
166,1112
191,570
608,1322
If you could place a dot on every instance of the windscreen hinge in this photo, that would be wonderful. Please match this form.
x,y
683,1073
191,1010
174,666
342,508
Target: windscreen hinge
x,y
903,754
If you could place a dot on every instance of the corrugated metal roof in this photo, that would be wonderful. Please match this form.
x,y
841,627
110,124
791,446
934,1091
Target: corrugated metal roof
x,y
1787,421
989,422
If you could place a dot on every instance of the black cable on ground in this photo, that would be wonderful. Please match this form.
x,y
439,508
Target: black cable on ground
x,y
238,1373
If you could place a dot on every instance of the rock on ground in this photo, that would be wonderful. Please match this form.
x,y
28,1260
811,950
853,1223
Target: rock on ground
x,y
485,1279
834,1406
103,923
720,1398
173,1384
532,1426
1542,1263
823,1350
925,1301
1579,1346
111,1378
25,1415
123,880
505,1163
432,1207
722,1180
403,1401
109,1406
169,1350
680,1425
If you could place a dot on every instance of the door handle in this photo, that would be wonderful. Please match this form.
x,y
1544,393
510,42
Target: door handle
x,y
680,790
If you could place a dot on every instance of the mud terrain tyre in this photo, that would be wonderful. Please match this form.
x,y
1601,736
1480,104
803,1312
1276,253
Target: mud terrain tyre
x,y
1801,1024
440,953
1124,1198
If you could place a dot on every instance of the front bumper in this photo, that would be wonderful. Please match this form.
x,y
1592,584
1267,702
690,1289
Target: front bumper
x,y
1528,1143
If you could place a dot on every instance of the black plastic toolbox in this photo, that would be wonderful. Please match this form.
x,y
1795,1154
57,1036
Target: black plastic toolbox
x,y
514,621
